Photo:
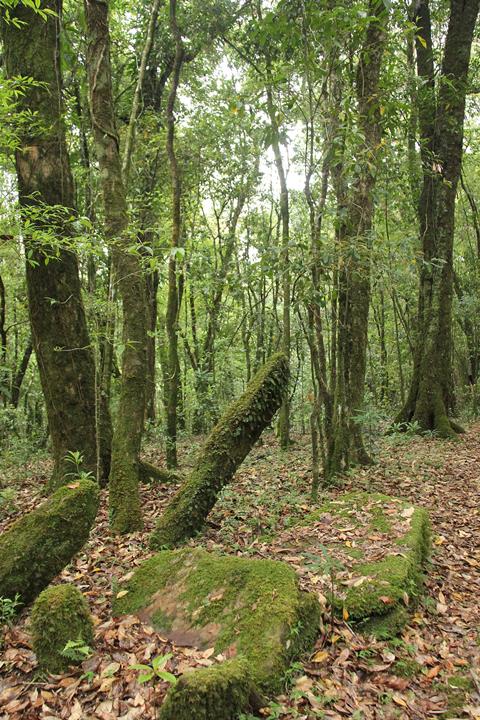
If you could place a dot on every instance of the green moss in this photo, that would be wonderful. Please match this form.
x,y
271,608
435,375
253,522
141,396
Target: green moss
x,y
59,615
385,627
456,689
460,682
225,449
378,603
406,668
221,692
355,553
255,608
349,504
40,544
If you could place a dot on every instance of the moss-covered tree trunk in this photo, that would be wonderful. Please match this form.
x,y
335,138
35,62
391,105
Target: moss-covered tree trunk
x,y
225,449
37,546
59,330
174,297
284,417
346,444
441,111
125,509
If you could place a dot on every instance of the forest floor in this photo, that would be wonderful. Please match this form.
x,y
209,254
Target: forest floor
x,y
431,670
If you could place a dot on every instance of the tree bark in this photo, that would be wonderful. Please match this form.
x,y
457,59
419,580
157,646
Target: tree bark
x,y
441,120
20,374
346,445
125,508
174,288
59,330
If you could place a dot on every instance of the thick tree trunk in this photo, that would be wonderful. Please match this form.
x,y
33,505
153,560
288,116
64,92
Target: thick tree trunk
x,y
441,121
35,548
59,330
125,509
346,445
225,449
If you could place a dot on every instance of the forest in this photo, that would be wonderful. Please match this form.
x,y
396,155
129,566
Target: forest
x,y
239,359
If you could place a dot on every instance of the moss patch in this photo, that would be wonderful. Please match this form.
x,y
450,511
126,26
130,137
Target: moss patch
x,y
374,546
221,692
40,544
59,614
250,610
456,689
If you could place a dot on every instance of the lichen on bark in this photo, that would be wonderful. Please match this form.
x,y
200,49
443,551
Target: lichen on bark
x,y
31,49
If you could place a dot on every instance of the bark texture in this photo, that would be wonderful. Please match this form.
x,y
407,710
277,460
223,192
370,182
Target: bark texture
x,y
125,509
225,449
45,185
346,445
441,113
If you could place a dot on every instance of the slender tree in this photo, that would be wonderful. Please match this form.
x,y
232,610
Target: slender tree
x,y
354,250
125,509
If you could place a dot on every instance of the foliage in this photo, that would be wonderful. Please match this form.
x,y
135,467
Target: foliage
x,y
156,669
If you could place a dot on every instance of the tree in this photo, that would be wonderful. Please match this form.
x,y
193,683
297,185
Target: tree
x,y
441,113
354,252
125,508
59,330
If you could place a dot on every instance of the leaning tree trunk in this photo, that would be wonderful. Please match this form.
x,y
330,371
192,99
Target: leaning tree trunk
x,y
59,330
441,122
346,445
225,449
125,509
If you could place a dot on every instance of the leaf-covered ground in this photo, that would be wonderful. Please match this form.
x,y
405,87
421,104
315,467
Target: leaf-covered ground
x,y
430,671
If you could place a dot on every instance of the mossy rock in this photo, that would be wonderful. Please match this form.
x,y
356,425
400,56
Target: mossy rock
x,y
225,449
60,614
40,544
374,592
251,611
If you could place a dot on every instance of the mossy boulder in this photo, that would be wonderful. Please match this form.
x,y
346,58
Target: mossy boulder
x,y
373,547
35,548
251,611
221,692
225,449
60,614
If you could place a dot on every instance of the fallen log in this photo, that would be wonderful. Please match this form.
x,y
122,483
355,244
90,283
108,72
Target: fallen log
x,y
151,473
40,544
224,450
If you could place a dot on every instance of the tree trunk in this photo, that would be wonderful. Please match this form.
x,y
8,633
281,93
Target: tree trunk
x,y
284,416
174,290
441,121
125,508
20,374
59,329
225,449
346,445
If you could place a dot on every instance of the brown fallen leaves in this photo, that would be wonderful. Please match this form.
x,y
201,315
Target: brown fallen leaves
x,y
431,671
